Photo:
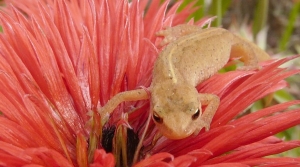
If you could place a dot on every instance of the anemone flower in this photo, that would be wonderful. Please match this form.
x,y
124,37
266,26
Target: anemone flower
x,y
62,60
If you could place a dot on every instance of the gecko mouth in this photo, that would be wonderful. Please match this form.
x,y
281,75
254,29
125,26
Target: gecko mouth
x,y
175,134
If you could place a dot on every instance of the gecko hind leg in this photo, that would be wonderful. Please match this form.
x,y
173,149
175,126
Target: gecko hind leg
x,y
246,54
173,33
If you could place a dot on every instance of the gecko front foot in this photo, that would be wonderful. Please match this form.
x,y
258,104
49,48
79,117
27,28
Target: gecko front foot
x,y
202,124
212,101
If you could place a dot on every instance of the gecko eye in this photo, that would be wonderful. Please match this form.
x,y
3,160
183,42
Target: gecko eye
x,y
157,118
196,115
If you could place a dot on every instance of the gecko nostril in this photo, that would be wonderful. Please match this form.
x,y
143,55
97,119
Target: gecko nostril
x,y
196,115
157,118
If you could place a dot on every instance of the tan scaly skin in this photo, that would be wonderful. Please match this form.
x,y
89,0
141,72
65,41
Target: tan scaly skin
x,y
191,56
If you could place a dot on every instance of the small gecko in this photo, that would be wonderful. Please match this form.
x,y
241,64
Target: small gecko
x,y
191,55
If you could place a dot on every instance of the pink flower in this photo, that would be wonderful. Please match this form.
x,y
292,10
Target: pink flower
x,y
60,61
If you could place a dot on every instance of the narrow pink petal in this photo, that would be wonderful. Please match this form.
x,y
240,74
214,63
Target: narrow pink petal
x,y
255,151
37,156
81,151
25,6
250,133
249,90
121,61
136,32
183,161
156,159
14,151
15,47
145,71
170,15
184,14
27,117
48,157
104,43
88,72
68,31
118,40
103,159
32,62
21,19
154,24
228,164
264,112
273,162
55,47
55,82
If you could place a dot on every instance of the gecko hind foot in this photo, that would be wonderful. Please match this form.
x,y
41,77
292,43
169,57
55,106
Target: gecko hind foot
x,y
248,68
173,33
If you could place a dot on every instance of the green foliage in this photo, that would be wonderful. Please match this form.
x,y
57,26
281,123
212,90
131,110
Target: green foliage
x,y
208,8
218,8
282,96
290,27
260,16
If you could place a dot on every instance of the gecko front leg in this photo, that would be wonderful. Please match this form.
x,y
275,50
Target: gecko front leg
x,y
212,103
132,95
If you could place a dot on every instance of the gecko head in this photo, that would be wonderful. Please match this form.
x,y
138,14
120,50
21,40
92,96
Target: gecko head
x,y
176,109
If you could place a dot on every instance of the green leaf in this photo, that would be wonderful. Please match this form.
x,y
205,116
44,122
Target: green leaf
x,y
282,96
218,8
260,16
290,27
